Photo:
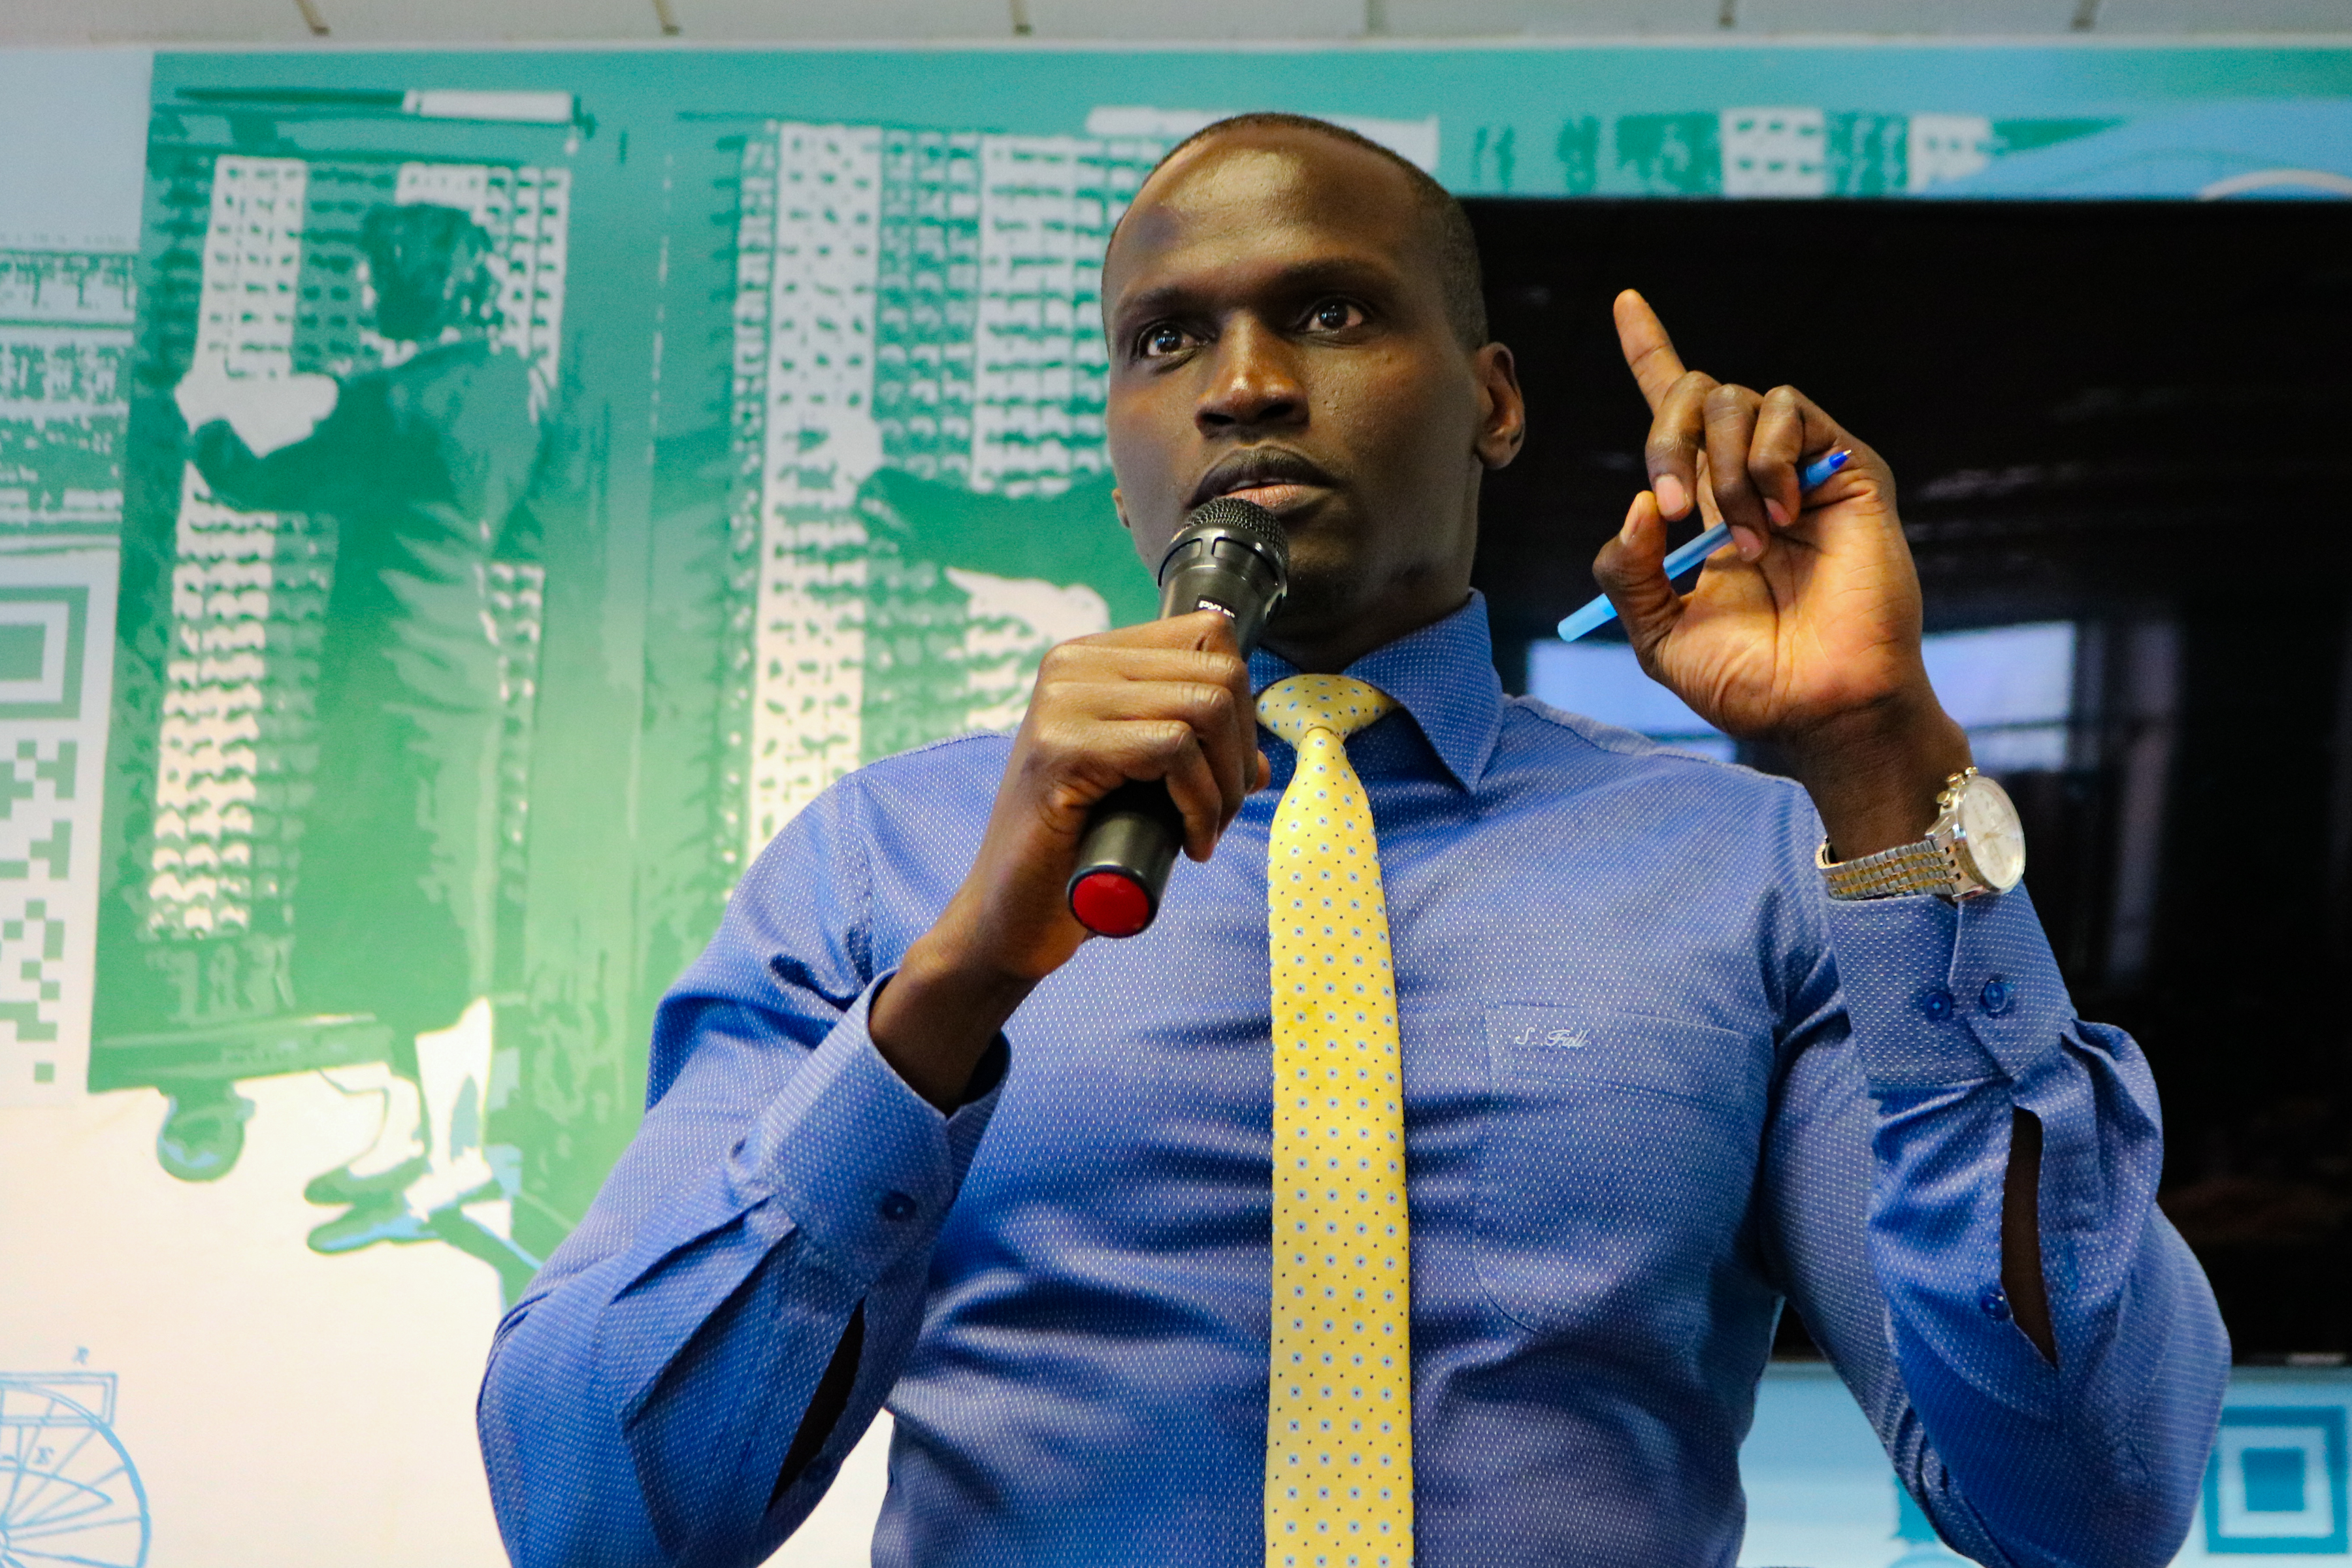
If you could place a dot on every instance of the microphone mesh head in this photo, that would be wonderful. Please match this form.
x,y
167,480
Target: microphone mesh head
x,y
1232,515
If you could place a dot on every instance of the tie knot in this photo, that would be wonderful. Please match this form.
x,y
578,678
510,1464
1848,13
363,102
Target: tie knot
x,y
1290,708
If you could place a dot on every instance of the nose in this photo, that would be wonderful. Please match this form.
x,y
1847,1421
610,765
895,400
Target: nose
x,y
1253,382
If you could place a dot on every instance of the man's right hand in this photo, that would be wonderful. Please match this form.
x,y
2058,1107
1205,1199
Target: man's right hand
x,y
266,412
1167,699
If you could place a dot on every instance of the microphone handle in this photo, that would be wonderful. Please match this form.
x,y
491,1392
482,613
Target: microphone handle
x,y
1135,831
1130,846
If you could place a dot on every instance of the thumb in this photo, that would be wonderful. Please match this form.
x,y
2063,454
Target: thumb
x,y
1632,570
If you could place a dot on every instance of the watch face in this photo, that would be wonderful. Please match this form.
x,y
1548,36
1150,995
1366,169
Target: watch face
x,y
1990,835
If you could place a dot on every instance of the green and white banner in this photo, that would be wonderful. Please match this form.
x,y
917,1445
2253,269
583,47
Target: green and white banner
x,y
456,506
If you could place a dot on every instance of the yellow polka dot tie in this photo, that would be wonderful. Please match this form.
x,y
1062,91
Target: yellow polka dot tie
x,y
1338,1422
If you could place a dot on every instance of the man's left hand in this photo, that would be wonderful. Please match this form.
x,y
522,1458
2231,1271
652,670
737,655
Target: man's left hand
x,y
1803,632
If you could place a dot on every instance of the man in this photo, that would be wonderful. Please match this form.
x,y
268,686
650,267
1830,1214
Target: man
x,y
1654,1080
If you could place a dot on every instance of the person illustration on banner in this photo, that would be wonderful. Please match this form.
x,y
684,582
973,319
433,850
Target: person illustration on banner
x,y
425,464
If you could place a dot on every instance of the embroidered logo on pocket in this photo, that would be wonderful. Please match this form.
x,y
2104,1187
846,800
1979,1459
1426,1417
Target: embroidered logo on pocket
x,y
1699,1062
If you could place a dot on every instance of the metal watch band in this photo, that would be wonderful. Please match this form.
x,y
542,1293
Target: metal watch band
x,y
1917,867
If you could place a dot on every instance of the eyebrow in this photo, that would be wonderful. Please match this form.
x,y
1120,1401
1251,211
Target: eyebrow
x,y
1340,273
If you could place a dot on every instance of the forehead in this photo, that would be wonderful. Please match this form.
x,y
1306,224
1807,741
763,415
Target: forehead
x,y
1262,201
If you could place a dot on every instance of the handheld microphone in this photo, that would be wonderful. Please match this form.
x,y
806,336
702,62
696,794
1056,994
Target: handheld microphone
x,y
1230,555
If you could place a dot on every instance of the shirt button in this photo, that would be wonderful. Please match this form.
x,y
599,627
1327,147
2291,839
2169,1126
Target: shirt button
x,y
897,1206
1994,1304
1997,995
1936,1005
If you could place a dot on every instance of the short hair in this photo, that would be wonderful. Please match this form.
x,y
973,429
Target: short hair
x,y
1457,245
426,264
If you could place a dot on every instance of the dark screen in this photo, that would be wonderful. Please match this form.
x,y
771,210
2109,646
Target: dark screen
x,y
2131,417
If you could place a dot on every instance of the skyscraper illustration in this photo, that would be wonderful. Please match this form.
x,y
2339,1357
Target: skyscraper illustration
x,y
926,301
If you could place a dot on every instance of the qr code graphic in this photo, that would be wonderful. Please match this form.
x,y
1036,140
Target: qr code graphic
x,y
2275,1485
56,620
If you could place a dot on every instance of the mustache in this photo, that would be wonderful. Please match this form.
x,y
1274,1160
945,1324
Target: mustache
x,y
1255,466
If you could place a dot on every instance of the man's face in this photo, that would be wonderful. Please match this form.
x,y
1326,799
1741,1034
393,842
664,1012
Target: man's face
x,y
1277,331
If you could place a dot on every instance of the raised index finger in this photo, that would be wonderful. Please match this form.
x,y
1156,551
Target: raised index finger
x,y
1649,352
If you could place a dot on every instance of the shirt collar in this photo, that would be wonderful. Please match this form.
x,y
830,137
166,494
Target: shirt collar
x,y
1443,675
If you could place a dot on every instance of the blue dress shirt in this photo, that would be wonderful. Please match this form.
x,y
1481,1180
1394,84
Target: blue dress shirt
x,y
1655,1082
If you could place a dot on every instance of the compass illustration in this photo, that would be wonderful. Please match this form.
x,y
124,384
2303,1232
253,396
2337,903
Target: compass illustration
x,y
69,1492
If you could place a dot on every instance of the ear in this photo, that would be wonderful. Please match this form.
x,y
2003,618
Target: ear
x,y
1502,408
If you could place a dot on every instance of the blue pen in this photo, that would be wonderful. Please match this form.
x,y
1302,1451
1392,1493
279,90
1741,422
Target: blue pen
x,y
1601,612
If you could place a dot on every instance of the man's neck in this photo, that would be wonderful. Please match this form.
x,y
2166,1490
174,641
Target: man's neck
x,y
1330,648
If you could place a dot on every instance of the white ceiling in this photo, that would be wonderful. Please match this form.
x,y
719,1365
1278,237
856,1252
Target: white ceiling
x,y
27,22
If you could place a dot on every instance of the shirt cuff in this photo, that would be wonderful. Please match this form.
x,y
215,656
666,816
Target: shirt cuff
x,y
857,1164
1948,993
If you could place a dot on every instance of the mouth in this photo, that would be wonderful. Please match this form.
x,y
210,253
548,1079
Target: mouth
x,y
1269,476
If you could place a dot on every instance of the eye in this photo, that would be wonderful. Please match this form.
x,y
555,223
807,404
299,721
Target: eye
x,y
1161,340
1335,316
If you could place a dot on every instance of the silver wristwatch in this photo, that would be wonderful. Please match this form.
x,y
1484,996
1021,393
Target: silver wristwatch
x,y
1976,845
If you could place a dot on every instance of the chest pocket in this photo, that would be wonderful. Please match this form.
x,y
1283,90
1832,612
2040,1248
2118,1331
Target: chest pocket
x,y
1616,1166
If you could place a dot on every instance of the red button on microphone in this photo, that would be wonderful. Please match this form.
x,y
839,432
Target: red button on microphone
x,y
1110,904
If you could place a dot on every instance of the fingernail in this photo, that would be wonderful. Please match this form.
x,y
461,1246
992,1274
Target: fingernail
x,y
1625,528
1777,513
1748,541
1669,491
